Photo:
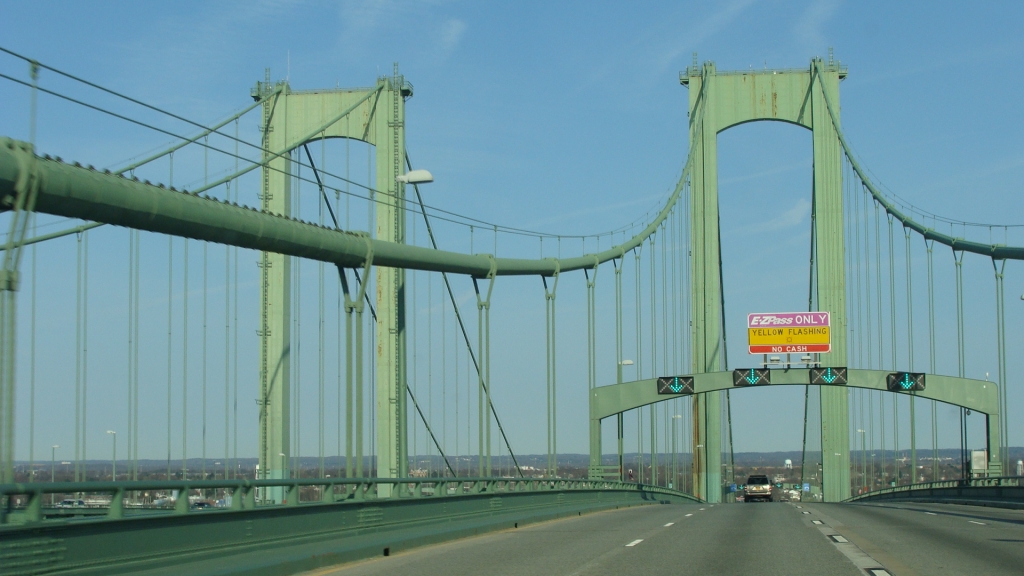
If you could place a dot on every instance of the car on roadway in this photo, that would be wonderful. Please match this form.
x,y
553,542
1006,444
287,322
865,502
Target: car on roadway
x,y
71,503
758,487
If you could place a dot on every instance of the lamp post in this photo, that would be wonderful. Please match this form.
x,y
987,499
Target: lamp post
x,y
675,449
113,457
53,467
863,464
618,417
53,461
415,177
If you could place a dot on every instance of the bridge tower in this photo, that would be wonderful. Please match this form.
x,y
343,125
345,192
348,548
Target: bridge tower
x,y
719,101
291,119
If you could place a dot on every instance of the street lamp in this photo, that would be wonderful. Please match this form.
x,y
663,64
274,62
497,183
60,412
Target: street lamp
x,y
675,452
53,466
113,458
415,177
53,461
863,463
618,417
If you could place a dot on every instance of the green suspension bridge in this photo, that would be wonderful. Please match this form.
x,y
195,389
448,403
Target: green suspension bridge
x,y
412,447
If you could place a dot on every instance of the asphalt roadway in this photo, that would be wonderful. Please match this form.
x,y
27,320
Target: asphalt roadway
x,y
757,538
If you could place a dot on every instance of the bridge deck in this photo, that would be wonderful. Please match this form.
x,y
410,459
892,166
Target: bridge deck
x,y
735,539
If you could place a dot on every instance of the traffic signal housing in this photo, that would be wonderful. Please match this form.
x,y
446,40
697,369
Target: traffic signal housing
x,y
905,381
752,377
828,376
675,385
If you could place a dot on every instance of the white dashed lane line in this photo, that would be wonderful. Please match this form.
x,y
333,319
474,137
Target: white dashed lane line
x,y
931,513
634,543
976,522
688,515
669,524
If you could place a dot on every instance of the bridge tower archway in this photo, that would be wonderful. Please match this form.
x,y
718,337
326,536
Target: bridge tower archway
x,y
719,101
292,118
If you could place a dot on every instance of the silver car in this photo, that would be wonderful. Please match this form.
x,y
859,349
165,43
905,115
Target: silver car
x,y
757,488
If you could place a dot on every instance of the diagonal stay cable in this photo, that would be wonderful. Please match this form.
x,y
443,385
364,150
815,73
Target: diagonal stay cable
x,y
373,313
462,325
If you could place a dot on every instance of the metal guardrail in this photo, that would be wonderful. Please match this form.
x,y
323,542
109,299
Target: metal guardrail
x,y
321,522
948,489
23,503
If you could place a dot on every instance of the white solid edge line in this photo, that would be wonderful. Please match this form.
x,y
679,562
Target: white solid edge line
x,y
669,524
634,543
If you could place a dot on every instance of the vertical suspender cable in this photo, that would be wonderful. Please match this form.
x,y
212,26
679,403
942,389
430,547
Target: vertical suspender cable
x,y
931,356
205,298
32,367
639,365
617,263
205,317
910,357
321,398
881,337
132,311
867,326
430,359
654,360
958,261
170,334
234,335
296,470
78,361
1004,412
184,367
227,351
85,352
892,332
135,360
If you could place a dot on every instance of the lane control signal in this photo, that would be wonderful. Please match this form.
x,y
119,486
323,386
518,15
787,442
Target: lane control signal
x,y
675,385
752,377
904,381
828,376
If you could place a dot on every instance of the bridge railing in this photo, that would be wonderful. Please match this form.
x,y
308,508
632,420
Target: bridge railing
x,y
28,502
951,489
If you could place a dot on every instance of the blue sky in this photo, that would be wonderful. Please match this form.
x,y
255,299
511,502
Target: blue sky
x,y
562,117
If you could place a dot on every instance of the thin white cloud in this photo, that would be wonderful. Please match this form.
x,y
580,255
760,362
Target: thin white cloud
x,y
795,216
809,27
451,34
701,31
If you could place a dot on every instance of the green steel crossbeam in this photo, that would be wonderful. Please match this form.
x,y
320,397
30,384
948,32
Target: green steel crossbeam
x,y
978,395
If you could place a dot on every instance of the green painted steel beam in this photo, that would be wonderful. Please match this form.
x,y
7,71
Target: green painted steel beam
x,y
87,194
977,395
